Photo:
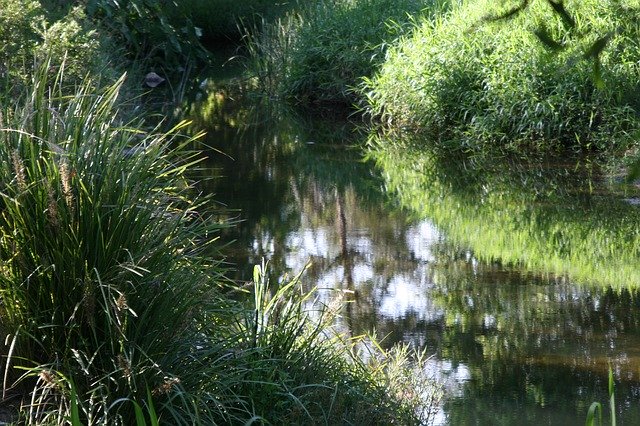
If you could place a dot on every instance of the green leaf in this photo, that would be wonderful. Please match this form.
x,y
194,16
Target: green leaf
x,y
75,412
152,411
612,401
594,409
140,420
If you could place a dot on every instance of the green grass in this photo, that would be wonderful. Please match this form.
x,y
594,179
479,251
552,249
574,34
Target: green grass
x,y
472,84
319,52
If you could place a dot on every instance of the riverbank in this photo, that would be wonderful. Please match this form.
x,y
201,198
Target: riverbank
x,y
463,78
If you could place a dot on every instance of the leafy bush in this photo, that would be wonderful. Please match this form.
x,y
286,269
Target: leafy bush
x,y
320,52
460,78
30,34
75,42
153,30
19,23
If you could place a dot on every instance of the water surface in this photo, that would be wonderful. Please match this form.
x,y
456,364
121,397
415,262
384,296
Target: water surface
x,y
518,278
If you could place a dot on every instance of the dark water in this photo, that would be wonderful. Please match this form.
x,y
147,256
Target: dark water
x,y
514,345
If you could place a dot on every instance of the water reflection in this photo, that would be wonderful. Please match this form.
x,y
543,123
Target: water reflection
x,y
517,340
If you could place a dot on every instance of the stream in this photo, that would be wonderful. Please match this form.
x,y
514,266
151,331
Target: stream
x,y
518,281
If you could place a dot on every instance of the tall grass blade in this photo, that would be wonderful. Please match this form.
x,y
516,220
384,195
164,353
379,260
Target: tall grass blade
x,y
151,409
612,400
75,411
140,419
594,415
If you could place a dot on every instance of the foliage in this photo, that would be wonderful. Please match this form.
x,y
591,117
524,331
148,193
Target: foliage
x,y
224,19
19,21
74,44
462,80
319,52
30,34
153,30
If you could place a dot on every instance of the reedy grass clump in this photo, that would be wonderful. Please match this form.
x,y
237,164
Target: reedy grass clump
x,y
303,371
473,83
318,52
103,274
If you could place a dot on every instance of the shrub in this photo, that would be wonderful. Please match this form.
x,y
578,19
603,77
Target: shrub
x,y
30,34
461,79
19,23
223,19
151,30
75,44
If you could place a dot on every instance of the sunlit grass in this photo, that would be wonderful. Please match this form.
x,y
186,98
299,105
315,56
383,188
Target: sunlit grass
x,y
320,50
471,83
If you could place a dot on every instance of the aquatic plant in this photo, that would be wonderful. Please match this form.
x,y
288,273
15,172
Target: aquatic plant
x,y
594,415
473,84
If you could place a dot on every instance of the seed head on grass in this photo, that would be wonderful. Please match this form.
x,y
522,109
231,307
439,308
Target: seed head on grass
x,y
52,209
65,180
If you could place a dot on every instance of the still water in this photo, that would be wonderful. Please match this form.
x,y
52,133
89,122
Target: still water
x,y
516,280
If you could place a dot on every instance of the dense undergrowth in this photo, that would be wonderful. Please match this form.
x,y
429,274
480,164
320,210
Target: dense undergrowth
x,y
462,80
114,306
321,50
